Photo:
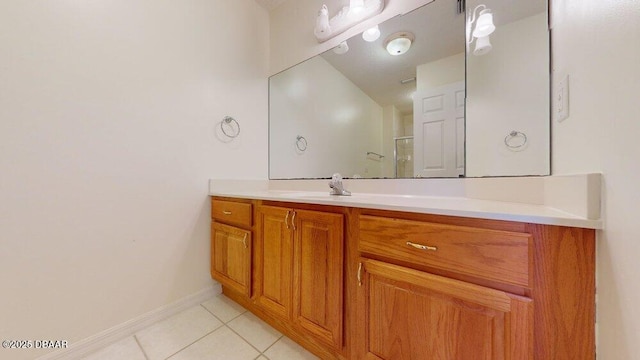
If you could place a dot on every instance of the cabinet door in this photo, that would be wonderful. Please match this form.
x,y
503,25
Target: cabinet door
x,y
274,260
318,275
231,257
408,314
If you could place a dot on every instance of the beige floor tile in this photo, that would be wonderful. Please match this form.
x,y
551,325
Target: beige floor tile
x,y
124,349
255,331
262,357
286,349
224,308
222,344
169,336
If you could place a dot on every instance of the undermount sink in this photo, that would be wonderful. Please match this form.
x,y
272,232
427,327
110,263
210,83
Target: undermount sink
x,y
316,195
306,194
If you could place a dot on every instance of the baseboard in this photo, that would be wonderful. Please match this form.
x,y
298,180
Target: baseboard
x,y
98,341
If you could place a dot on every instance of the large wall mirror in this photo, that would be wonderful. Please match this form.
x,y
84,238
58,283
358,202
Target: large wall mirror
x,y
443,108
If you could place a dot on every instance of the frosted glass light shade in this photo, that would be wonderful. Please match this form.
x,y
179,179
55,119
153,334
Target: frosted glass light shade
x,y
346,18
356,6
484,24
372,34
483,46
322,22
398,46
342,48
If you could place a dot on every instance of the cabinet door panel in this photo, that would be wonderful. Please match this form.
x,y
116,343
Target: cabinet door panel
x,y
318,274
414,315
231,257
274,261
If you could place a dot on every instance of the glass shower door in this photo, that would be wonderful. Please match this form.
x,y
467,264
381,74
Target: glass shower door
x,y
403,156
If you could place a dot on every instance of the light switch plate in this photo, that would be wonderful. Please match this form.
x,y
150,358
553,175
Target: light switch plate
x,y
561,100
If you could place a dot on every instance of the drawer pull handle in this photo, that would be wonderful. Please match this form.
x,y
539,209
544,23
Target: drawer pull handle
x,y
293,221
422,247
244,240
360,274
227,212
286,219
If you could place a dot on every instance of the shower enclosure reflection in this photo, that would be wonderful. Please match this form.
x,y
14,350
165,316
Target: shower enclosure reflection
x,y
403,157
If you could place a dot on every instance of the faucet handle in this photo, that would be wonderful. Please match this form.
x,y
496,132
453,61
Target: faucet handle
x,y
336,185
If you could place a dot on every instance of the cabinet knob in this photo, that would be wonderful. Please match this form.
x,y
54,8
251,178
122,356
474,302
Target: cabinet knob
x,y
422,247
226,212
359,274
286,219
244,240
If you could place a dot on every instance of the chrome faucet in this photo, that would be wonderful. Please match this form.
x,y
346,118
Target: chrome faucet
x,y
336,186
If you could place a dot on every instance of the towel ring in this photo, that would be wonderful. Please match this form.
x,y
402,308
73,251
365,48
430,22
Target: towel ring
x,y
234,131
301,143
513,135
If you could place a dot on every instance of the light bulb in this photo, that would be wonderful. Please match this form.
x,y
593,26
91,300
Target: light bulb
x,y
372,34
342,48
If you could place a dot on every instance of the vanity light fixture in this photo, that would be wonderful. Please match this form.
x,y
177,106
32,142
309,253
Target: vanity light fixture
x,y
322,22
483,28
347,17
483,46
372,34
342,48
356,6
399,43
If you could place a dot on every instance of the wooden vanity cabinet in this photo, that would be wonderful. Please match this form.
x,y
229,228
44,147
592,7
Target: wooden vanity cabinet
x,y
231,244
434,287
299,270
351,283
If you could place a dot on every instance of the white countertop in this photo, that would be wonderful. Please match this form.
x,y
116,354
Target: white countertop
x,y
452,206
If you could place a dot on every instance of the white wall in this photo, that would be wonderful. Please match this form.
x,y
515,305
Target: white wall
x,y
388,144
340,126
407,124
597,43
507,89
441,72
107,140
292,23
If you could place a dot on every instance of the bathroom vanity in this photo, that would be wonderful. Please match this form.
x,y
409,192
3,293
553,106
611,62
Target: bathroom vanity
x,y
368,279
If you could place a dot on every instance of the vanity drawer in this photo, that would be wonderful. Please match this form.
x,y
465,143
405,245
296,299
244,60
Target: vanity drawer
x,y
488,254
231,212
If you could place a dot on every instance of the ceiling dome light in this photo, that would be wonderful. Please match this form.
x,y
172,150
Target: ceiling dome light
x,y
399,43
372,34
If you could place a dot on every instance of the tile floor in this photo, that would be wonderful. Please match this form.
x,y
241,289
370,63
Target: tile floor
x,y
215,329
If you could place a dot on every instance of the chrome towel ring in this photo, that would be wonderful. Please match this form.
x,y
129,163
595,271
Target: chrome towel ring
x,y
232,127
515,140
